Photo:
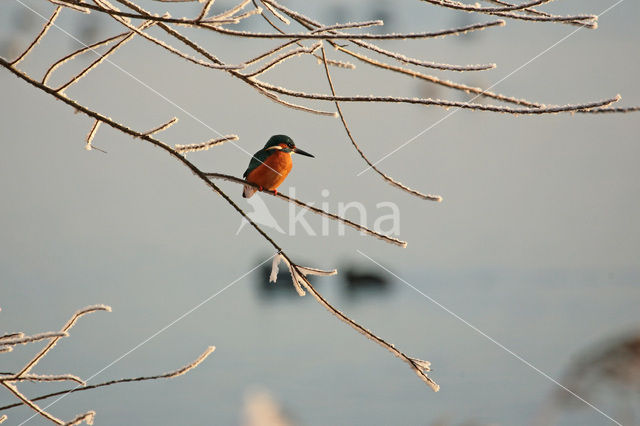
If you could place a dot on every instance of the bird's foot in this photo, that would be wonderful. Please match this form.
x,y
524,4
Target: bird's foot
x,y
275,192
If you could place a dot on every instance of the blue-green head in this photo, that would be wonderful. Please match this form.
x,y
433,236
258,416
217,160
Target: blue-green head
x,y
283,143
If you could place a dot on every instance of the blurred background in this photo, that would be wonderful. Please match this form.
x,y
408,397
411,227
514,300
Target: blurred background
x,y
536,243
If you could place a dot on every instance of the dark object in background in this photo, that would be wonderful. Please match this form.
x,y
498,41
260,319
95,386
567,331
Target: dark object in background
x,y
358,282
89,33
25,20
338,13
614,363
608,371
384,12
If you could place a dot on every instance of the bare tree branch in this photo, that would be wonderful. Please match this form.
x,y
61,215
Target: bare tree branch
x,y
507,12
20,339
65,329
183,149
44,30
316,210
163,127
364,157
102,57
168,375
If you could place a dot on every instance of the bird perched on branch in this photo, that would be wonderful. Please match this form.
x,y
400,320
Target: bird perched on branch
x,y
270,166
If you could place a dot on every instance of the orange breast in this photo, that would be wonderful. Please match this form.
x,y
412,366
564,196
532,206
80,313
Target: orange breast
x,y
273,172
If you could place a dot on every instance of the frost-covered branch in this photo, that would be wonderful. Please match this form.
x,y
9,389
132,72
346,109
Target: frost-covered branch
x,y
590,21
39,37
20,339
168,375
284,57
102,57
555,109
313,209
162,127
183,149
357,147
535,12
10,380
63,331
40,378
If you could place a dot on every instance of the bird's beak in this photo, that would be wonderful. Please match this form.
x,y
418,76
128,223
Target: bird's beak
x,y
301,152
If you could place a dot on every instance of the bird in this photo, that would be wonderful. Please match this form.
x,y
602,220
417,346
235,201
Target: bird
x,y
270,166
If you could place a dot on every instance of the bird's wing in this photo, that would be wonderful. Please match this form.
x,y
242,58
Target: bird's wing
x,y
257,159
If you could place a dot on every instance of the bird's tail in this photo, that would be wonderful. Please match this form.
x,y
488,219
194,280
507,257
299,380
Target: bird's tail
x,y
248,191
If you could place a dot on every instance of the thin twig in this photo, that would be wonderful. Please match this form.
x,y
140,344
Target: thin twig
x,y
397,56
41,378
102,57
532,11
205,10
183,149
364,157
295,276
90,415
172,49
21,339
30,403
237,8
91,135
445,83
510,8
11,336
71,5
417,368
407,36
442,103
421,63
291,105
277,14
217,64
64,329
271,52
245,15
168,375
79,52
316,210
163,127
610,110
283,57
42,33
506,12
340,64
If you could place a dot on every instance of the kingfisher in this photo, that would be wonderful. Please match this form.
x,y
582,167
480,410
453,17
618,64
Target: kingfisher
x,y
270,166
